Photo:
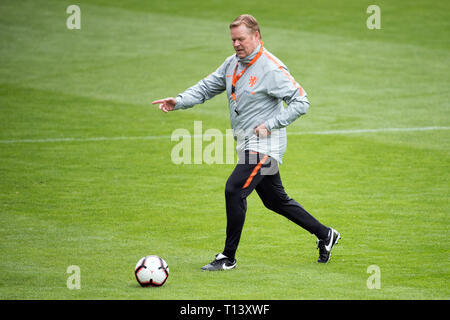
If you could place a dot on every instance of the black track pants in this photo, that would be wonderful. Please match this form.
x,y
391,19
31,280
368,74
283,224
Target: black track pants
x,y
256,171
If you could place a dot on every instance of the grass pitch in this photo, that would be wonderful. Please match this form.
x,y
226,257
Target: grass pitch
x,y
77,189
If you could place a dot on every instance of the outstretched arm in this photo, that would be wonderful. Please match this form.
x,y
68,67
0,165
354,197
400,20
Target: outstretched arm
x,y
204,90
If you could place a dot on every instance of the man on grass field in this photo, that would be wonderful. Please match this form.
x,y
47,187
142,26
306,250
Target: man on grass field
x,y
256,83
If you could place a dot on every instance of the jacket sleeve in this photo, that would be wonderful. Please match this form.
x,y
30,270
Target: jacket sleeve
x,y
204,90
282,85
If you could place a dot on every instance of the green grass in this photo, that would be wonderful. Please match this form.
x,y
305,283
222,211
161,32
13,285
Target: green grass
x,y
102,204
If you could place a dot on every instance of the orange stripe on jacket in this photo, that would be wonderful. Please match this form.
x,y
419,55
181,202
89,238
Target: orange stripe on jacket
x,y
271,58
255,171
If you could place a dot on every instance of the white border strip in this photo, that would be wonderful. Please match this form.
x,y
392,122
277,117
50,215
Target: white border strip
x,y
327,132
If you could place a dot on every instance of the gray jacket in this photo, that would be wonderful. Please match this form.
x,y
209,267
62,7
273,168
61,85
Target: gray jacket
x,y
260,93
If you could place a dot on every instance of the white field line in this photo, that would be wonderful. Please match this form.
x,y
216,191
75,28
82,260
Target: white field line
x,y
353,131
326,132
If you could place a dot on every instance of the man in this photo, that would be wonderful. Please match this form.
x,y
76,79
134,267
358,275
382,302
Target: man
x,y
256,83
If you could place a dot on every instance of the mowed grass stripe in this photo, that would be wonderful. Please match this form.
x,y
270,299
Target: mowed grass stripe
x,y
328,132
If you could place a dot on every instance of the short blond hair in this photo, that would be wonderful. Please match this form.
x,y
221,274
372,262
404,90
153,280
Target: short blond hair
x,y
249,21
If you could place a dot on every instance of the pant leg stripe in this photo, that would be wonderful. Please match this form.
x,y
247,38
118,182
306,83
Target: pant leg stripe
x,y
255,171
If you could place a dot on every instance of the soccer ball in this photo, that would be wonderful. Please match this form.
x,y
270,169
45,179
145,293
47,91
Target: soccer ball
x,y
151,271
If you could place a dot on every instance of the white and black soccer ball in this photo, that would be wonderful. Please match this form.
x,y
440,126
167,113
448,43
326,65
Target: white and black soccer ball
x,y
151,271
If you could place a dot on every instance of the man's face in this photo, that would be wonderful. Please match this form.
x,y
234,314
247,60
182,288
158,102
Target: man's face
x,y
244,41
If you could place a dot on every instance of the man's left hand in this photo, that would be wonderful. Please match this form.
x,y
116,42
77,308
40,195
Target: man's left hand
x,y
262,131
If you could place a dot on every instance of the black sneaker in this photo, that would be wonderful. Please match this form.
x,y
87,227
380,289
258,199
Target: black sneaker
x,y
325,246
221,262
